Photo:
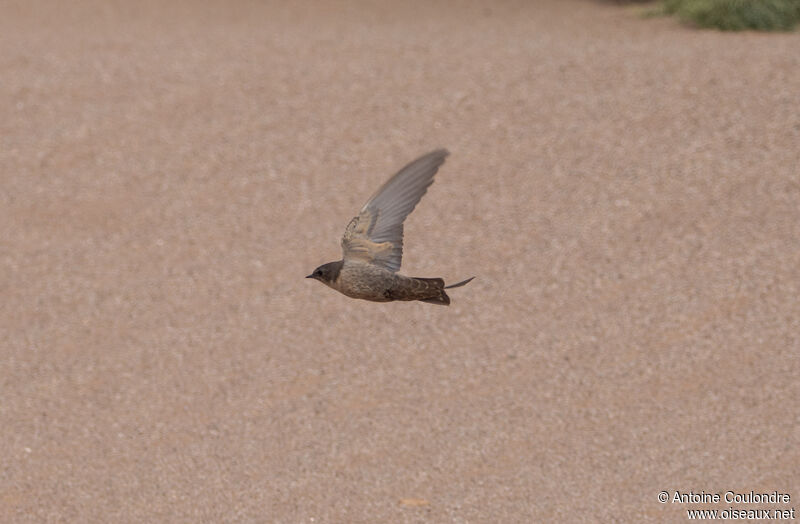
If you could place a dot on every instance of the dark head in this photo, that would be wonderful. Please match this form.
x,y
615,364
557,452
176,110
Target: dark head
x,y
327,273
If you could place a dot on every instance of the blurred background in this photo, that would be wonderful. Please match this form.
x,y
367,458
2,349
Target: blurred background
x,y
624,187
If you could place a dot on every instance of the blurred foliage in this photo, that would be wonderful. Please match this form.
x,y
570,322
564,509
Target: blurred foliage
x,y
737,15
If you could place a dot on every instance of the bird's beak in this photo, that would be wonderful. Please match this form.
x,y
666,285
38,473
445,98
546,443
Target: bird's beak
x,y
310,276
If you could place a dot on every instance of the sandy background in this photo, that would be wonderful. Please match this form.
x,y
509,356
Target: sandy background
x,y
625,190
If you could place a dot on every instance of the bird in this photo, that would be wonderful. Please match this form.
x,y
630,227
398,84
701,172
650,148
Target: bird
x,y
372,245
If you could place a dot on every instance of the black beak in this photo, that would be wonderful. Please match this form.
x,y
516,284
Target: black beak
x,y
310,276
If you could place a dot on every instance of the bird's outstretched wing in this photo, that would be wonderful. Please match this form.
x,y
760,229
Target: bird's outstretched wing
x,y
376,234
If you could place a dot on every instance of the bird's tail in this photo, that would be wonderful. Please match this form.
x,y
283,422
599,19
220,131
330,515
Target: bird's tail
x,y
432,289
441,298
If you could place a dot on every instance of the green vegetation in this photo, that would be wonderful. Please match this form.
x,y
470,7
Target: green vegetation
x,y
737,15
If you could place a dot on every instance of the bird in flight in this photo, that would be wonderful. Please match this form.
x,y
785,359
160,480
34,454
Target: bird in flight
x,y
372,244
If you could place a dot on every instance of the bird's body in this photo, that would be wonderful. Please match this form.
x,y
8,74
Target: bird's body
x,y
369,282
373,243
366,281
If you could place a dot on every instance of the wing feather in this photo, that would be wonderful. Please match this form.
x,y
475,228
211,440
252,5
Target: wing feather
x,y
376,234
